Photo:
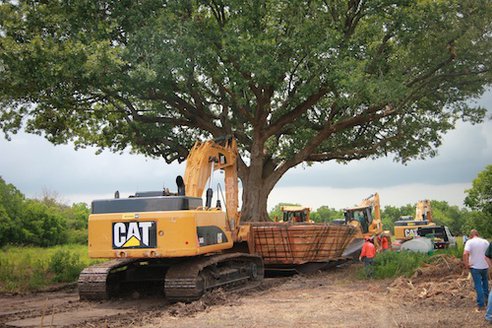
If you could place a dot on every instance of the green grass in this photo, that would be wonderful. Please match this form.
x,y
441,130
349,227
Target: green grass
x,y
25,269
395,264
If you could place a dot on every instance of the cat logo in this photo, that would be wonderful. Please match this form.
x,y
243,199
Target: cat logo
x,y
134,234
410,233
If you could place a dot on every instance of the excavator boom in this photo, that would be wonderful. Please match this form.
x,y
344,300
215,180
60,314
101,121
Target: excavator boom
x,y
207,157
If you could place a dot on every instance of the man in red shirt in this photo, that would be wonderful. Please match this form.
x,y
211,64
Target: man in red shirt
x,y
384,242
367,255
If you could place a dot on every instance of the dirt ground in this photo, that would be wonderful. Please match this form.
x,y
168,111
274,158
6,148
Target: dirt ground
x,y
439,295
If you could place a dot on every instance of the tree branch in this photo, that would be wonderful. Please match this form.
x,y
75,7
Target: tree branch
x,y
353,16
351,153
293,115
368,116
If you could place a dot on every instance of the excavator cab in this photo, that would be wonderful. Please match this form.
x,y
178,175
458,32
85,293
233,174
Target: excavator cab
x,y
363,215
295,214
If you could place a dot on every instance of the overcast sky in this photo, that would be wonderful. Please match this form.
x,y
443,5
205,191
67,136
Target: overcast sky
x,y
32,164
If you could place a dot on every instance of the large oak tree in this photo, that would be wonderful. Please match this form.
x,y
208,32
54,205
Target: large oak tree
x,y
294,81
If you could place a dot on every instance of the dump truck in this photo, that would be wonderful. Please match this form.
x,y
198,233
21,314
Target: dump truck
x,y
174,242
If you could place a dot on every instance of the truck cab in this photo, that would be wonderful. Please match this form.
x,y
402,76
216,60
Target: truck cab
x,y
440,235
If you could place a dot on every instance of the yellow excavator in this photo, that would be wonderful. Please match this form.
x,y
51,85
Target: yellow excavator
x,y
295,214
422,225
366,218
407,226
172,240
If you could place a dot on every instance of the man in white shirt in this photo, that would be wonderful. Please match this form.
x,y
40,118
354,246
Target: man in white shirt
x,y
474,259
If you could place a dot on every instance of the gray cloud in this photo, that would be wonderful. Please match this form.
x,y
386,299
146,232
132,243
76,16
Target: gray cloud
x,y
32,163
464,153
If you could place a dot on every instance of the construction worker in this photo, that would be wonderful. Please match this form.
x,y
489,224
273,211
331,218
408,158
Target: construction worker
x,y
383,241
367,255
474,259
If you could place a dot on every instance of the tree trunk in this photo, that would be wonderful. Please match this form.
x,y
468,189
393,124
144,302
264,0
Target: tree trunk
x,y
255,197
258,181
257,184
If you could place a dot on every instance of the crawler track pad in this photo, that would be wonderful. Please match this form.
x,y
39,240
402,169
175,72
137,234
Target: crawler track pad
x,y
188,281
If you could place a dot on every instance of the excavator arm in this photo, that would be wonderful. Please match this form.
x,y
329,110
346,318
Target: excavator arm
x,y
205,158
376,226
423,211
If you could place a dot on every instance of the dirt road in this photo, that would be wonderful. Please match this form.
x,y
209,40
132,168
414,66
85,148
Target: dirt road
x,y
334,298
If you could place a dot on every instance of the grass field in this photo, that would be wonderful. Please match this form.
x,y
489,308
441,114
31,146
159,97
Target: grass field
x,y
25,269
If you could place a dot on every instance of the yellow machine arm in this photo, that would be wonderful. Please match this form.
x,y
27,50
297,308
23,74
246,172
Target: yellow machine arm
x,y
423,210
376,226
206,157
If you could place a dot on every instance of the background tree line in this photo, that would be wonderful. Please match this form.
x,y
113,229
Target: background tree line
x,y
47,221
39,222
477,214
459,220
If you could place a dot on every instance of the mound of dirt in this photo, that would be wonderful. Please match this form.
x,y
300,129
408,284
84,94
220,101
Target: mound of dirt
x,y
441,267
442,281
213,298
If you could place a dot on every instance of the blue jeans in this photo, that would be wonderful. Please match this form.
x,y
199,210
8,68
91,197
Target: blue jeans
x,y
488,314
369,266
480,280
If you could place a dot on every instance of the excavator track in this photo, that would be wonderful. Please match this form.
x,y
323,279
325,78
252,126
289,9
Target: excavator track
x,y
183,281
189,280
100,281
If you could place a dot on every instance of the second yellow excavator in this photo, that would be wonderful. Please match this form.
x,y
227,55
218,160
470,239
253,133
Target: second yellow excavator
x,y
366,218
407,226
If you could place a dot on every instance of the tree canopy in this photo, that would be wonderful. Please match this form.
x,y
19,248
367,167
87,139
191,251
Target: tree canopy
x,y
326,213
294,81
479,196
479,199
